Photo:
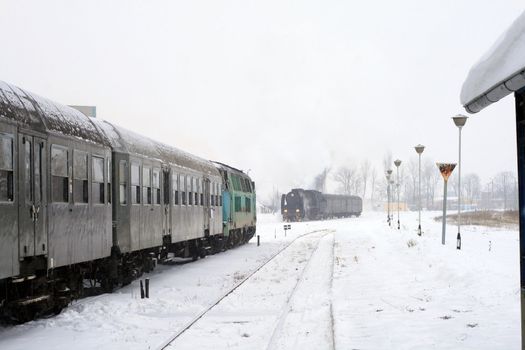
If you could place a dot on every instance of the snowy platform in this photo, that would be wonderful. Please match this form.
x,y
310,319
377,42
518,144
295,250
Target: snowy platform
x,y
350,283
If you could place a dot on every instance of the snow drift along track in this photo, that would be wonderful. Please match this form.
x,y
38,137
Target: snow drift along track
x,y
172,338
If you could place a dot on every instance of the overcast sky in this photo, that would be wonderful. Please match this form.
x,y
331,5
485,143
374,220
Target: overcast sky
x,y
284,88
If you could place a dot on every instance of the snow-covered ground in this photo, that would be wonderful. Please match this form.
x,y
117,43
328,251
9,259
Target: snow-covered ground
x,y
390,290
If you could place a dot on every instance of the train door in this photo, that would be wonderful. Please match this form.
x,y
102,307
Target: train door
x,y
32,196
207,209
166,222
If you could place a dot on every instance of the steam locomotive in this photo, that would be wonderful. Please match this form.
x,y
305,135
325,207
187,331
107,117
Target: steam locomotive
x,y
302,205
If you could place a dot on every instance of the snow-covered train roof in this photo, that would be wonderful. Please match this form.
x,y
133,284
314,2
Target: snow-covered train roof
x,y
38,113
126,141
229,168
499,72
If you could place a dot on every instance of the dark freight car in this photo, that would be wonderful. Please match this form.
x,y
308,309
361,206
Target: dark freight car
x,y
300,205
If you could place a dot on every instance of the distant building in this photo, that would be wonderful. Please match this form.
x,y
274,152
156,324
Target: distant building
x,y
89,111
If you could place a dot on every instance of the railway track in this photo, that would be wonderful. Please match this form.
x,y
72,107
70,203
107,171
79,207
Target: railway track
x,y
281,337
168,342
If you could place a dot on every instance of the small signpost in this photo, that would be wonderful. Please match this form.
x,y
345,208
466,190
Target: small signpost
x,y
286,228
446,170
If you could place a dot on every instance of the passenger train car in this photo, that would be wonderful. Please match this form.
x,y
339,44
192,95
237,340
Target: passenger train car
x,y
83,200
301,205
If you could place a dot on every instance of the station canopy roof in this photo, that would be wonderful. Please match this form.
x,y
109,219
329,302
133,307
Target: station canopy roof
x,y
499,72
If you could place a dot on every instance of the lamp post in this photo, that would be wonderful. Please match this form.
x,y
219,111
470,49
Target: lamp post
x,y
388,174
419,149
391,201
446,170
460,121
397,163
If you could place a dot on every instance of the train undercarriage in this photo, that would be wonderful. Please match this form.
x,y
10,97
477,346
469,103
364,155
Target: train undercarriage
x,y
39,291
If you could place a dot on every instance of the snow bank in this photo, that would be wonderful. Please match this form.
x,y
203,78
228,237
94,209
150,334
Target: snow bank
x,y
391,290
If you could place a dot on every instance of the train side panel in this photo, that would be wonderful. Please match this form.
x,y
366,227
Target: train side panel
x,y
9,264
79,210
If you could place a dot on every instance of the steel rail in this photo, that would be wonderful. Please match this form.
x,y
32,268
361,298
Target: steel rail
x,y
188,325
287,307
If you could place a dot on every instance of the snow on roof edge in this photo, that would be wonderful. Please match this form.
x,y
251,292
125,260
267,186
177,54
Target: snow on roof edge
x,y
499,71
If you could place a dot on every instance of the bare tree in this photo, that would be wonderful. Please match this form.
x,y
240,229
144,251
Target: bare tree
x,y
346,177
273,201
472,187
413,172
430,179
504,187
387,161
373,177
364,172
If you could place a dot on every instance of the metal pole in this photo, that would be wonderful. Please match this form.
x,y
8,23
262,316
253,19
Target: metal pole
x,y
388,201
444,212
398,222
459,194
419,199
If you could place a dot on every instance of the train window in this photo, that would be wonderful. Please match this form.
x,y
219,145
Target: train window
x,y
175,186
135,183
27,170
80,177
183,189
38,171
166,184
248,202
197,190
220,201
190,191
6,168
59,174
208,195
237,203
97,180
248,185
146,185
217,194
211,194
236,185
156,186
108,169
243,184
123,182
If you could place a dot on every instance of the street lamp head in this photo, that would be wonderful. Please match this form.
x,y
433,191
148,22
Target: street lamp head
x,y
397,163
419,149
460,120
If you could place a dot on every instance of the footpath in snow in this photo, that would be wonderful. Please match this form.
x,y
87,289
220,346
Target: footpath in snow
x,y
350,283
